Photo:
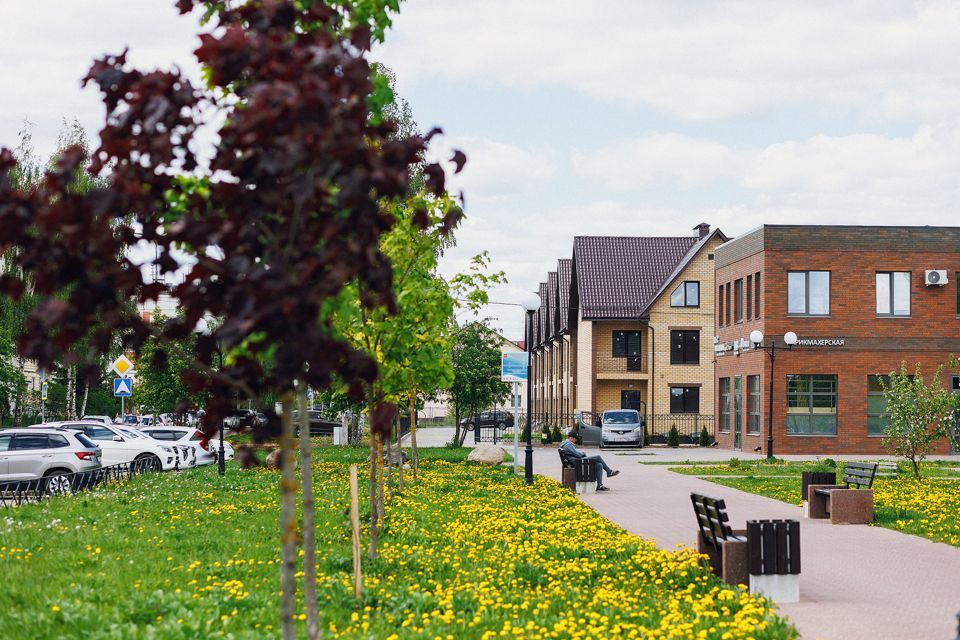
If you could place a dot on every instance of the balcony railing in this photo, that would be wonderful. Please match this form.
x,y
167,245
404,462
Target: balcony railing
x,y
607,362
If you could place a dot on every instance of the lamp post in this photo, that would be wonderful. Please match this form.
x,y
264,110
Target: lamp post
x,y
204,327
530,303
790,339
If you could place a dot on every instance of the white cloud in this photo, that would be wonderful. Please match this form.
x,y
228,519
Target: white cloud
x,y
694,60
494,169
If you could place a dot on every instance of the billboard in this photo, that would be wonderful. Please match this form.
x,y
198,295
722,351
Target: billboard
x,y
513,366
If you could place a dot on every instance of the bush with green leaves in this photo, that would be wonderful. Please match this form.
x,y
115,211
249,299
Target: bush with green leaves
x,y
673,438
705,439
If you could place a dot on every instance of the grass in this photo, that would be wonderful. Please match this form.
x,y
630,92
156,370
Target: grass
x,y
929,508
467,552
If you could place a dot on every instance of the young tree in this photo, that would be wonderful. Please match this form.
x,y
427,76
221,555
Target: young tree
x,y
476,366
160,371
919,414
290,214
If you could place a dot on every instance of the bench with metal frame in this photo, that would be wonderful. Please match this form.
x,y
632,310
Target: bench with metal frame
x,y
726,548
848,503
579,475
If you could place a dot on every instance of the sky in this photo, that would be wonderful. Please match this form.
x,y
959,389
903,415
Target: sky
x,y
612,117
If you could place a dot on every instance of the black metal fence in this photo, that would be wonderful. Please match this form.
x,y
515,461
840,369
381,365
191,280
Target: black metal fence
x,y
18,492
689,426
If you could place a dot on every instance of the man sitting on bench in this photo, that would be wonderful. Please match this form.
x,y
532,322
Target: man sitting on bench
x,y
568,450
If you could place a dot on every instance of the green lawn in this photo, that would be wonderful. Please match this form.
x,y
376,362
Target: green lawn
x,y
929,508
468,552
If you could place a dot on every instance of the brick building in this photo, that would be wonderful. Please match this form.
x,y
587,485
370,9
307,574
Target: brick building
x,y
861,302
629,326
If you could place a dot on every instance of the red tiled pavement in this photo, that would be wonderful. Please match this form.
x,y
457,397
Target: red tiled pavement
x,y
857,582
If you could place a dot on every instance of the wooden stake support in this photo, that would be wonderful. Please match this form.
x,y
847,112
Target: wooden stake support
x,y
355,523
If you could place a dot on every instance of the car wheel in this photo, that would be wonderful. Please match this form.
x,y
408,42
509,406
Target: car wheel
x,y
147,462
58,483
501,425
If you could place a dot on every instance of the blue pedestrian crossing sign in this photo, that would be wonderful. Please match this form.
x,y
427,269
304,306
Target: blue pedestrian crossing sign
x,y
122,387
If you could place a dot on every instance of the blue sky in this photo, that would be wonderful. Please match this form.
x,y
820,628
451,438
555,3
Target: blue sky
x,y
612,117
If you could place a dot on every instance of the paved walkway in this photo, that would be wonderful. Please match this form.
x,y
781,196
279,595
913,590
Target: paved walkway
x,y
857,582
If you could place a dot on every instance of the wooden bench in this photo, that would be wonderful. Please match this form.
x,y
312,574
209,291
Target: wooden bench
x,y
579,475
773,547
726,548
848,503
887,469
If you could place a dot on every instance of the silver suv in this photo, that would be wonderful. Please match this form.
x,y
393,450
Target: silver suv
x,y
29,454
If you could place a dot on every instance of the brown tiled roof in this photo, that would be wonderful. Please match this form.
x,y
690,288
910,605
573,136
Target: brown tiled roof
x,y
563,285
619,277
551,305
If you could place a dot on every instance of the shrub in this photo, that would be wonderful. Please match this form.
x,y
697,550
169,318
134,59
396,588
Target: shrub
x,y
705,439
734,463
829,463
673,438
545,435
556,435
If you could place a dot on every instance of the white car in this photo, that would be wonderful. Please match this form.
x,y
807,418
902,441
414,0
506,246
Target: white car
x,y
30,454
206,450
147,421
103,419
120,448
186,456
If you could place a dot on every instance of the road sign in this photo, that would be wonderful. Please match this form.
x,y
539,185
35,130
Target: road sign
x,y
513,366
122,366
122,387
43,390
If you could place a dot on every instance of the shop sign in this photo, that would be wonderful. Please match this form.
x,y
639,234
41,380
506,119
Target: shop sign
x,y
740,344
819,342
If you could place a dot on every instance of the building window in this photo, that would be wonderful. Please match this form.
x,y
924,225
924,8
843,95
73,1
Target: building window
x,y
720,305
753,405
893,293
878,419
686,295
626,344
726,303
684,399
685,347
725,405
808,293
738,300
812,405
958,292
749,295
756,294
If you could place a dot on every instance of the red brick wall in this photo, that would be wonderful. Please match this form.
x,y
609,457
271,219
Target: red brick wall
x,y
873,345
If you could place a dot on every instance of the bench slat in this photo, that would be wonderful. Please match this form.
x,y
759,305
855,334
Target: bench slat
x,y
781,531
794,529
769,556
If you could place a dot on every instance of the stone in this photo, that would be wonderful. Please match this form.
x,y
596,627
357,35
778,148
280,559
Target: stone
x,y
273,460
487,454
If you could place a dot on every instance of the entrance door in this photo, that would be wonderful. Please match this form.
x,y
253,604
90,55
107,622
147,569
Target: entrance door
x,y
630,400
737,412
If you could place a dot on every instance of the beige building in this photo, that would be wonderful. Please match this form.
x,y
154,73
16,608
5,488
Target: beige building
x,y
635,330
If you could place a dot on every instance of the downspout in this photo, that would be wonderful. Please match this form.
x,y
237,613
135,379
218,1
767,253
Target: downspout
x,y
653,370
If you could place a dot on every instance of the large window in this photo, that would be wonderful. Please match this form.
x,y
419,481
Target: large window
x,y
726,302
684,399
808,293
725,405
812,405
893,293
685,347
749,294
878,420
686,295
626,344
753,405
738,300
756,294
720,305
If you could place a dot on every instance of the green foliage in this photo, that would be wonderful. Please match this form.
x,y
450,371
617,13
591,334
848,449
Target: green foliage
x,y
160,388
476,367
555,435
673,437
705,439
920,414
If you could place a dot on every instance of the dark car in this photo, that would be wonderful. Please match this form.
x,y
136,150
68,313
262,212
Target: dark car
x,y
319,426
488,419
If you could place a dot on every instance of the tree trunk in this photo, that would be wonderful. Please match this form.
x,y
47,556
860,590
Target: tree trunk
x,y
288,519
389,464
456,423
380,505
71,393
916,467
309,520
414,454
373,494
400,466
86,395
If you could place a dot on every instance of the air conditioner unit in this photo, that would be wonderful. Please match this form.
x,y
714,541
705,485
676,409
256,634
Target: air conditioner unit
x,y
935,278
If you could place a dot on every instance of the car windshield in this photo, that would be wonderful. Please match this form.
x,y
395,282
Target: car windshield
x,y
620,417
129,433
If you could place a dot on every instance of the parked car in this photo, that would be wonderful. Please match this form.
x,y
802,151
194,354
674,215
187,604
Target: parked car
x,y
147,420
129,420
186,458
319,426
588,426
621,427
241,419
206,451
29,454
488,419
103,419
117,448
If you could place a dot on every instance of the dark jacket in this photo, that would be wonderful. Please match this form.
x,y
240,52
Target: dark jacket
x,y
569,453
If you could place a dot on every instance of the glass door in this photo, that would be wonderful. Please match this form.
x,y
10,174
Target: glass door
x,y
737,412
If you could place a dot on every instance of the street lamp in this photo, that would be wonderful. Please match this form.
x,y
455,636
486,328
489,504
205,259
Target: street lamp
x,y
203,327
530,303
790,339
